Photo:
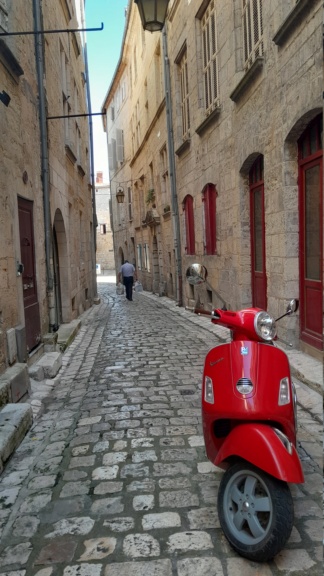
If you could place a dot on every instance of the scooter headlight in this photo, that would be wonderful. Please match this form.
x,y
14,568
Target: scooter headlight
x,y
265,326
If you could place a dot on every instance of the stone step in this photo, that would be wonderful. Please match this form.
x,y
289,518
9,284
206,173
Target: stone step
x,y
46,367
15,421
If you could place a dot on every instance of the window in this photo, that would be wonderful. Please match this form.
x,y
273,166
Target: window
x,y
210,64
209,201
112,154
65,94
252,31
135,66
103,229
184,96
146,258
139,257
189,224
138,124
164,175
120,145
130,203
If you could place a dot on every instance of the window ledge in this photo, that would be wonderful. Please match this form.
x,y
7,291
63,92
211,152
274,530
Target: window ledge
x,y
183,147
294,19
70,154
244,84
81,171
213,116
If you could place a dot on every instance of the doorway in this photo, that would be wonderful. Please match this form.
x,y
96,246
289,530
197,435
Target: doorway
x,y
27,253
310,159
258,252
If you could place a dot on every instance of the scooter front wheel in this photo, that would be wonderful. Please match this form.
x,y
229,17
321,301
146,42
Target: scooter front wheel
x,y
255,511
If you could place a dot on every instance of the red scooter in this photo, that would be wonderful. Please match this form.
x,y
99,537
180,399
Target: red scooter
x,y
249,426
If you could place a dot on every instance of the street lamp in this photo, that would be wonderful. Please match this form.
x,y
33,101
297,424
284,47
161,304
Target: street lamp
x,y
152,13
120,195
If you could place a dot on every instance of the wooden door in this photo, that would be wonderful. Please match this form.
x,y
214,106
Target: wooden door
x,y
311,235
27,252
258,266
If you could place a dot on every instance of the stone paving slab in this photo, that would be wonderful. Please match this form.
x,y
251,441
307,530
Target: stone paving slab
x,y
112,479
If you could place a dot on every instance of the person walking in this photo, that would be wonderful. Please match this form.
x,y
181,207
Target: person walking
x,y
127,273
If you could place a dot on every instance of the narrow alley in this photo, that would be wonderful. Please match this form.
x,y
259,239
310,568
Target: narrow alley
x,y
112,479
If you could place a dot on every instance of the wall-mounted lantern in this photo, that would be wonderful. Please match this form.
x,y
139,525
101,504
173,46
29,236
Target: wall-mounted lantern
x,y
120,195
152,13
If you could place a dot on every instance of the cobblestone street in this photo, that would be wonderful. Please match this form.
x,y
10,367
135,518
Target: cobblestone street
x,y
112,480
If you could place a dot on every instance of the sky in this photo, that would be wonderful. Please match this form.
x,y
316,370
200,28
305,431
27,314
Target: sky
x,y
103,49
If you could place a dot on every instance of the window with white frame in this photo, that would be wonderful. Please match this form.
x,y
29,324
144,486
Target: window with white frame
x,y
210,60
139,257
252,31
146,258
184,95
130,202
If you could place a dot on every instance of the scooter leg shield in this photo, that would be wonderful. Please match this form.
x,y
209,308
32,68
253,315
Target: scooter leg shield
x,y
260,445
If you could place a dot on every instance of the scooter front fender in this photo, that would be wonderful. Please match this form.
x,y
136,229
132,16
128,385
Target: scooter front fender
x,y
260,445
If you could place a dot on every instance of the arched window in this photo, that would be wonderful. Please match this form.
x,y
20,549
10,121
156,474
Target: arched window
x,y
190,224
209,201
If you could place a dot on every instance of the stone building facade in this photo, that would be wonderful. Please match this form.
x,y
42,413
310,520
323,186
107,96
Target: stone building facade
x,y
47,248
246,81
105,260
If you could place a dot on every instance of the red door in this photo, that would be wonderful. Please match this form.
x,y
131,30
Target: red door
x,y
258,268
311,234
31,306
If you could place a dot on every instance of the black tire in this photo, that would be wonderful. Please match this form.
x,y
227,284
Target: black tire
x,y
255,511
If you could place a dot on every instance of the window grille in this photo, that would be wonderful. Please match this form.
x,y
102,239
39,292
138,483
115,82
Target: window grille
x,y
210,62
252,31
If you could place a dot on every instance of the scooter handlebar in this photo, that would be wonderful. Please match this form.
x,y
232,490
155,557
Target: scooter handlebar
x,y
200,311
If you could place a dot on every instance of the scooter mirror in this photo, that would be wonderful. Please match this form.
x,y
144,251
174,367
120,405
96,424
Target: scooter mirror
x,y
292,306
196,274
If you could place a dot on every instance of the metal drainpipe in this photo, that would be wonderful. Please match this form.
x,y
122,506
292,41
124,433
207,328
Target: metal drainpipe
x,y
39,53
92,175
174,199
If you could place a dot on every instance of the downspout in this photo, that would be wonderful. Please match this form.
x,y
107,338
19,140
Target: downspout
x,y
92,175
174,198
40,69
